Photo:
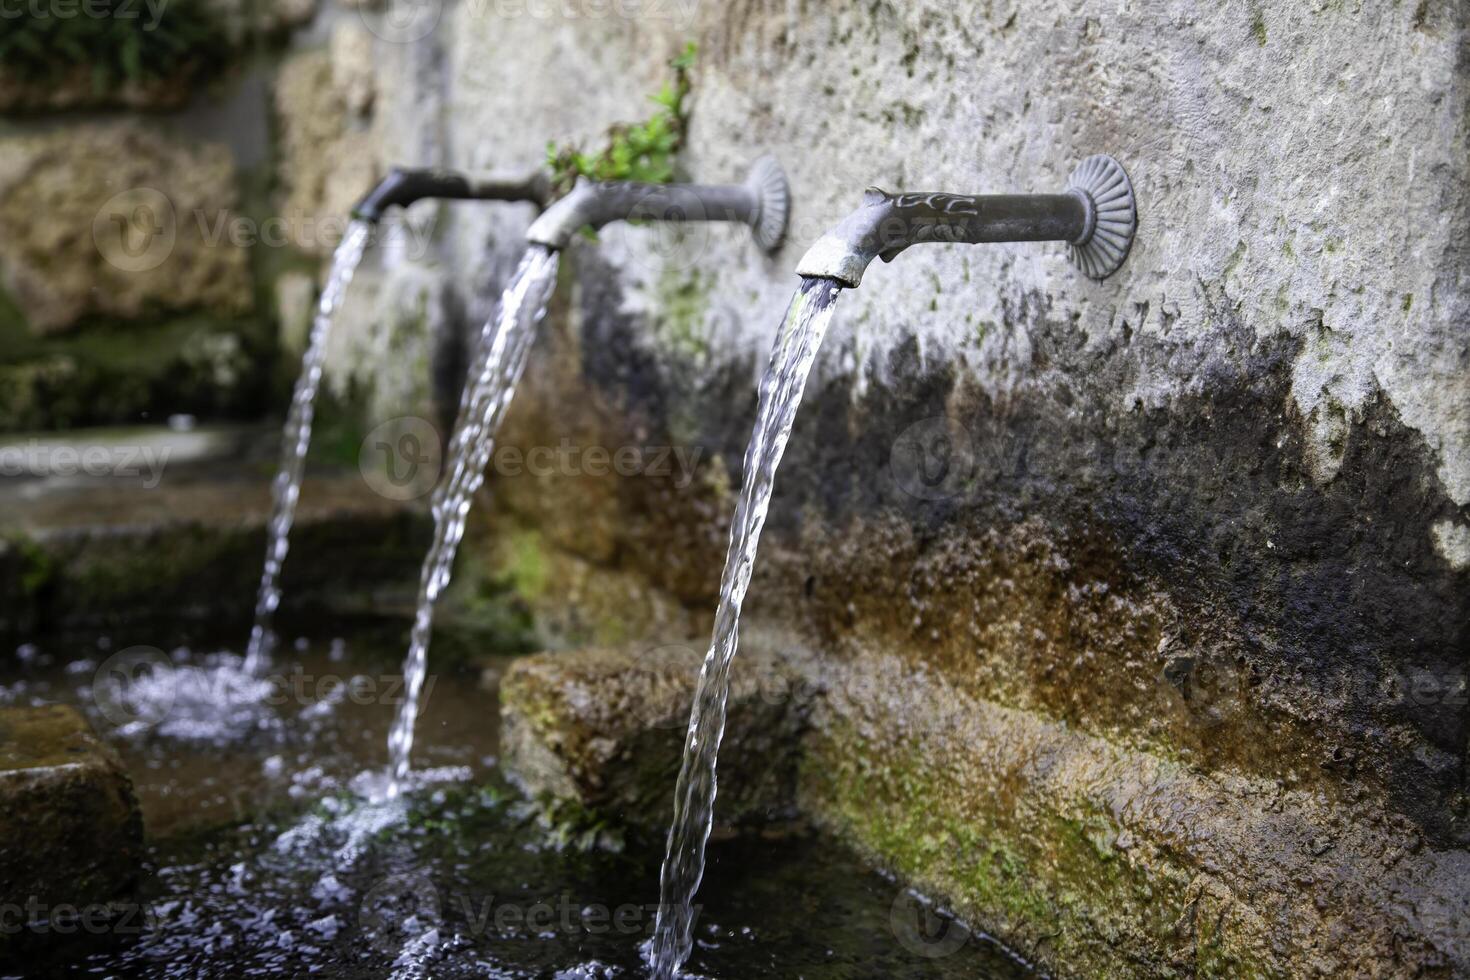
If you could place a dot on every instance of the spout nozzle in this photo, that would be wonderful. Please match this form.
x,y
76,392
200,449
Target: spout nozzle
x,y
403,186
763,202
1096,217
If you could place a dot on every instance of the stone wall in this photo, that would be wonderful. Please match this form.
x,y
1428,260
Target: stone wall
x,y
1165,670
1205,521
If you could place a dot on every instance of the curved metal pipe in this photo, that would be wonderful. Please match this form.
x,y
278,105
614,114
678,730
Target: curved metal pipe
x,y
404,186
1096,215
762,202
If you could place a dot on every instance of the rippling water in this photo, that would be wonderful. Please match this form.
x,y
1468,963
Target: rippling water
x,y
267,858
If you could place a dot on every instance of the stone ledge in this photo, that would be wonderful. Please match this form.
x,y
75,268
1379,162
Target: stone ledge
x,y
1088,856
70,829
1097,860
187,540
605,727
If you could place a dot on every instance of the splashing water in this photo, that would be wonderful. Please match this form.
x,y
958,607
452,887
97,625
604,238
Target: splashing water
x,y
694,798
297,438
499,359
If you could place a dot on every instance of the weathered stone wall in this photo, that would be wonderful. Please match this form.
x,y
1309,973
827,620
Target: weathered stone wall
x,y
1163,667
160,252
1206,520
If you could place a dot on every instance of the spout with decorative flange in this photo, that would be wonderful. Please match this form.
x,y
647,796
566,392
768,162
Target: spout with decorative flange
x,y
1096,216
404,186
763,202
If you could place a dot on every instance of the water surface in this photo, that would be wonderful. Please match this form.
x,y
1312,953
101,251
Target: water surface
x,y
264,861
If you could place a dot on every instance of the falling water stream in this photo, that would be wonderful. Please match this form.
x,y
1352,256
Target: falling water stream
x,y
499,359
286,488
694,798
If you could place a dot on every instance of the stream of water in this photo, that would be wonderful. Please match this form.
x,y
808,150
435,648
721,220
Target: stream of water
x,y
297,439
499,359
694,798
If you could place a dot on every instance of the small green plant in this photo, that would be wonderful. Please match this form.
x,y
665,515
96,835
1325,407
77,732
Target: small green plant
x,y
113,41
635,151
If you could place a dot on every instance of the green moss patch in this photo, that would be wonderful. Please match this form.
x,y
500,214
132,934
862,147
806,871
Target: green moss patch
x,y
112,373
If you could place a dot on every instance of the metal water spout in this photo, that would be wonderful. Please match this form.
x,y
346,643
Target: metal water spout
x,y
1096,216
763,202
404,186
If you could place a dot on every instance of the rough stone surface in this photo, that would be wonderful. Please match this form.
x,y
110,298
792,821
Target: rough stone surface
x,y
1100,861
70,831
1162,667
135,222
183,539
1151,543
328,159
605,727
396,315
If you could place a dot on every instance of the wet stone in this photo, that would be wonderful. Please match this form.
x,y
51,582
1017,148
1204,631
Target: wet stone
x,y
70,831
605,727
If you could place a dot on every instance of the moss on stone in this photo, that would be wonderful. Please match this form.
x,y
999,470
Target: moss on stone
x,y
683,309
1070,883
527,570
107,372
70,830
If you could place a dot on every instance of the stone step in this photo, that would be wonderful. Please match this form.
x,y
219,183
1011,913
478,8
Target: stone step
x,y
116,527
71,836
604,727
